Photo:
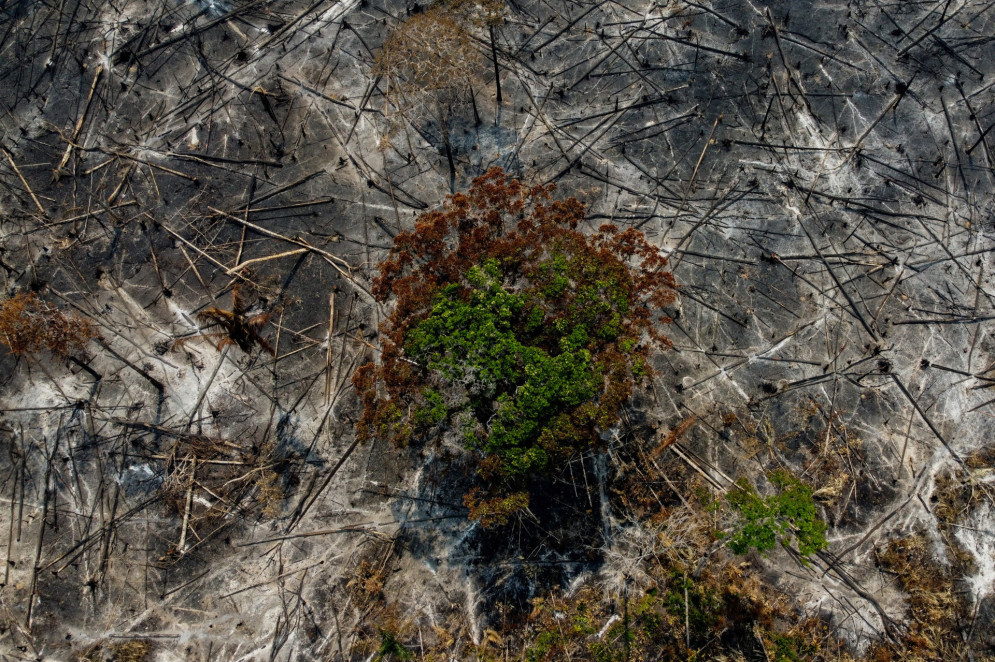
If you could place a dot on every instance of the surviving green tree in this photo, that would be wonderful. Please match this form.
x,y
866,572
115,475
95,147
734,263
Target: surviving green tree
x,y
512,334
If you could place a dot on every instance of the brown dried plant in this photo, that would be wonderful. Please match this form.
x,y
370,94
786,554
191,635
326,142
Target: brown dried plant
x,y
136,650
29,325
208,481
477,13
430,54
427,65
936,609
238,327
367,581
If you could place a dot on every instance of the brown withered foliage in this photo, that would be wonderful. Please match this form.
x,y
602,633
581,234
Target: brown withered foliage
x,y
477,12
431,53
136,650
367,581
29,325
598,297
238,328
206,481
494,511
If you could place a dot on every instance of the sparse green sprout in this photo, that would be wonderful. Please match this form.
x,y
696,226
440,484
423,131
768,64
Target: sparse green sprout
x,y
391,648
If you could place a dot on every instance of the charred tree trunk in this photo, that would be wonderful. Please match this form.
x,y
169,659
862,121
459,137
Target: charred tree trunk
x,y
497,70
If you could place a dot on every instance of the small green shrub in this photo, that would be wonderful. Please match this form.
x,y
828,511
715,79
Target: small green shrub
x,y
703,605
542,645
792,649
391,648
763,521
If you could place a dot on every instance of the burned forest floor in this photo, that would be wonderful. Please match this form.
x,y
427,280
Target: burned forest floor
x,y
212,183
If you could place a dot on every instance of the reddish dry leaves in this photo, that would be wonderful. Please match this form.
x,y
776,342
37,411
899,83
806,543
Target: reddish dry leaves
x,y
505,220
29,325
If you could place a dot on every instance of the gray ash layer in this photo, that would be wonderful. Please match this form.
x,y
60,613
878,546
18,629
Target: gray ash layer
x,y
820,174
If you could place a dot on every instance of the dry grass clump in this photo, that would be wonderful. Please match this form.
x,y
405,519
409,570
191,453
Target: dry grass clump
x,y
429,54
389,630
135,650
366,581
936,611
131,651
724,612
983,458
953,497
382,629
477,12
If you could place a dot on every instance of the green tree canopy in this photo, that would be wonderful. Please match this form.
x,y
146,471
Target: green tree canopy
x,y
513,333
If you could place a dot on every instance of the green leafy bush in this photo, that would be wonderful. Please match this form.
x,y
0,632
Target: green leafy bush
x,y
789,513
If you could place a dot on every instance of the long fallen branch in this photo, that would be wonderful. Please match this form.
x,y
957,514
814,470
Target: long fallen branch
x,y
27,186
322,532
58,172
308,500
336,262
256,260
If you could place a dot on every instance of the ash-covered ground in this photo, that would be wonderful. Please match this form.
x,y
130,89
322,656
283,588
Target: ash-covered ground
x,y
819,173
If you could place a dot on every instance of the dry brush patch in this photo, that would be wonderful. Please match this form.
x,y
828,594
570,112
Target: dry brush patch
x,y
936,610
